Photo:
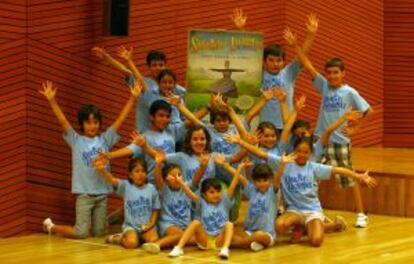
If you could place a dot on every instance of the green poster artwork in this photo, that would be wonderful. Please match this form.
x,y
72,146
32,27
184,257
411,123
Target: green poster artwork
x,y
226,62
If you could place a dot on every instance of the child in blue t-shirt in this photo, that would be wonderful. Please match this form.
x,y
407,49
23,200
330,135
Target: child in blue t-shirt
x,y
298,181
275,73
175,204
141,204
156,62
212,230
263,196
337,98
162,136
90,190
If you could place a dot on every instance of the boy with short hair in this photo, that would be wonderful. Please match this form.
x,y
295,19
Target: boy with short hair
x,y
337,98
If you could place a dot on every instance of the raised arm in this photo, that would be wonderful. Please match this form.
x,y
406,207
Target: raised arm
x,y
126,54
255,110
99,165
102,54
312,27
235,139
299,105
49,92
140,140
349,115
203,159
239,19
238,123
280,94
187,190
176,101
234,181
135,93
303,59
159,161
355,125
285,160
362,178
220,160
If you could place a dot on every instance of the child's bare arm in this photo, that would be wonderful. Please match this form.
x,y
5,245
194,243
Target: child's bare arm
x,y
159,160
235,139
303,59
99,165
176,101
135,93
280,94
255,110
299,105
347,116
362,178
198,175
187,190
153,221
126,54
102,54
285,159
235,181
49,92
312,28
140,140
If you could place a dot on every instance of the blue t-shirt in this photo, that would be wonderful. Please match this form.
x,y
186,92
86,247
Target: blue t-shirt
x,y
189,164
299,185
262,209
164,140
143,104
219,145
213,217
85,179
139,202
175,207
285,78
335,102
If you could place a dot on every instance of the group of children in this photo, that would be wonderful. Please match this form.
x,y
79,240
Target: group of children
x,y
187,177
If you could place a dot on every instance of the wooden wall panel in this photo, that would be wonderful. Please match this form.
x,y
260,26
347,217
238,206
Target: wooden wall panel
x,y
13,113
351,30
398,73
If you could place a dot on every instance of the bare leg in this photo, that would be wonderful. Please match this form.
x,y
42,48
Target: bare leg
x,y
315,231
66,231
129,239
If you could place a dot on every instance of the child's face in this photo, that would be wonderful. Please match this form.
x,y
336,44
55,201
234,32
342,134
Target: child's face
x,y
301,132
212,195
268,138
198,142
221,123
335,76
171,181
167,85
161,119
262,184
91,126
155,67
139,175
273,64
303,152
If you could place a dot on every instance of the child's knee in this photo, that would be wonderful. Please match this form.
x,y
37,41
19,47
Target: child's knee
x,y
130,242
281,226
316,240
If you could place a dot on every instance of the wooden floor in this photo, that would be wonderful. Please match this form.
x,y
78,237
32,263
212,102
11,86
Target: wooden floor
x,y
386,240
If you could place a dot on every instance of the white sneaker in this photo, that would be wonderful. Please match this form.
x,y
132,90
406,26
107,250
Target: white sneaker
x,y
176,252
362,220
256,246
47,225
224,253
152,248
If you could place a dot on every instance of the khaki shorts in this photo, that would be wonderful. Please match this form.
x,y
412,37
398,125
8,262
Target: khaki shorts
x,y
307,216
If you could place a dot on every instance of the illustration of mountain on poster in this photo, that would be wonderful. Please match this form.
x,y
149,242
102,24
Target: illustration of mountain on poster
x,y
229,62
